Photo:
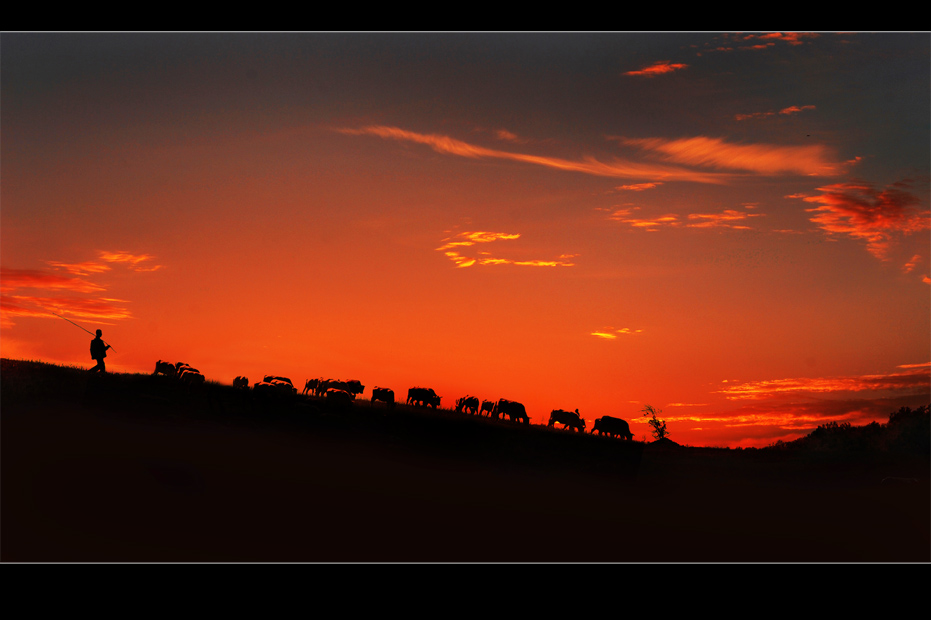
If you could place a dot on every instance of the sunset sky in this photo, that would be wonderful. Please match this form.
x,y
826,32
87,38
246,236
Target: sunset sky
x,y
732,228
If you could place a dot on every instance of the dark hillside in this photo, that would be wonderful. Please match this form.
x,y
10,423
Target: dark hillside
x,y
142,468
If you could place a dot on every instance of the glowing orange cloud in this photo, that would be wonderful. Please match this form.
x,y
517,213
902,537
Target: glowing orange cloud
x,y
467,239
915,379
638,187
651,225
80,269
767,159
658,68
724,219
133,260
95,308
910,265
617,169
785,111
860,211
794,109
13,279
504,134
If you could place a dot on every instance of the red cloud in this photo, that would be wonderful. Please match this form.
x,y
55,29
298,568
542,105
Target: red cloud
x,y
659,68
860,211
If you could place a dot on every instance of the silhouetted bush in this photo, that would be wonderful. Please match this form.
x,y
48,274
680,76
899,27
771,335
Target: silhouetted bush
x,y
659,426
908,431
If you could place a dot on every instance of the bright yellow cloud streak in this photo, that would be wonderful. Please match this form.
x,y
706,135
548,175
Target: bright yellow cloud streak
x,y
467,239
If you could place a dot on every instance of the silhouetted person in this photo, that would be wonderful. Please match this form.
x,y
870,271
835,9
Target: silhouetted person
x,y
98,352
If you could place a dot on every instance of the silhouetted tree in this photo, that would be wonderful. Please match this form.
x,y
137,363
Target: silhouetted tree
x,y
659,426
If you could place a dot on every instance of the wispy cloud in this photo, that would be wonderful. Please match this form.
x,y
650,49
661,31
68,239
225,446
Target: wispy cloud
x,y
785,111
638,187
454,244
132,260
507,136
97,308
911,264
913,379
40,293
79,269
768,159
658,68
626,216
14,279
731,42
729,218
611,333
617,168
860,211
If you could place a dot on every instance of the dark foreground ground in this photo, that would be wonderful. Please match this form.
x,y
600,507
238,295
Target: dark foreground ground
x,y
133,468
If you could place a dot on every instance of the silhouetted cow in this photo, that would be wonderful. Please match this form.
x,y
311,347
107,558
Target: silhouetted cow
x,y
183,370
165,368
192,378
513,410
353,386
606,425
273,389
383,394
271,378
322,385
340,398
469,404
310,386
424,397
569,419
489,406
241,383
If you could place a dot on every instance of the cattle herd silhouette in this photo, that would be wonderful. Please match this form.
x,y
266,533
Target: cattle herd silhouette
x,y
343,393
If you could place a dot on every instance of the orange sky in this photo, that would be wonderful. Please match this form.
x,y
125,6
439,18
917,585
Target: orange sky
x,y
731,228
